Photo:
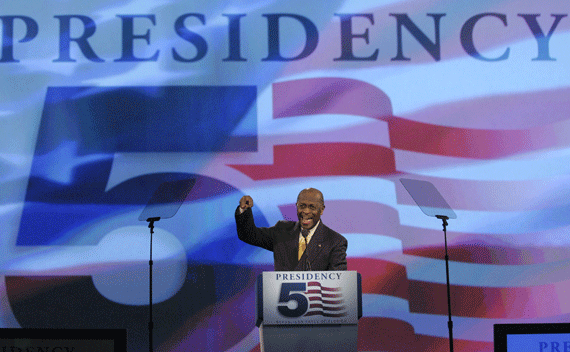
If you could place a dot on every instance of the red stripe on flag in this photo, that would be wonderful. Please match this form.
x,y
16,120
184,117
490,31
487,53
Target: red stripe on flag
x,y
326,308
386,334
316,283
477,248
325,314
487,302
352,97
458,142
483,253
441,344
381,276
323,159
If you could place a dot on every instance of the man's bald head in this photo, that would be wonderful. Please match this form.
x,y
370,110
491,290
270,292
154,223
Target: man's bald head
x,y
313,192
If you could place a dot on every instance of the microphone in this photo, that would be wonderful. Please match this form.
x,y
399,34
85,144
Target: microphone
x,y
305,233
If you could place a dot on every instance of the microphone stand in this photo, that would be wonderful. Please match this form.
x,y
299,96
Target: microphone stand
x,y
449,322
150,323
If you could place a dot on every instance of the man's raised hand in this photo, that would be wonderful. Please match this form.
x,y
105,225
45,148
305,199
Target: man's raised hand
x,y
245,202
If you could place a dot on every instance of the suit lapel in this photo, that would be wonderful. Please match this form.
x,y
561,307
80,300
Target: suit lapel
x,y
293,246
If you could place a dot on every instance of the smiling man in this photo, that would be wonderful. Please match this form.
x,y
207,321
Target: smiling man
x,y
303,245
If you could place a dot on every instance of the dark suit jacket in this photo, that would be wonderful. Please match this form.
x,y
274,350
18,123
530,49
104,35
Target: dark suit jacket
x,y
327,248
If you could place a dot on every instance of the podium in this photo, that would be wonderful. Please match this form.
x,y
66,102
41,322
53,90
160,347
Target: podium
x,y
308,311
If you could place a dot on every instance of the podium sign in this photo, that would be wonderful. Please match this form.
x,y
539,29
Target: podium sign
x,y
308,310
310,297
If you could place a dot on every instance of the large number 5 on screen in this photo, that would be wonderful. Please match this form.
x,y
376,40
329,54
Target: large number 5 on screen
x,y
81,131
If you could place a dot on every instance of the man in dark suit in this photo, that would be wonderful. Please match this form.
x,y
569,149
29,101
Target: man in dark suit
x,y
303,245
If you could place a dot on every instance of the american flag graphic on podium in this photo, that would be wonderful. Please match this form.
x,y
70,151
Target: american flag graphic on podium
x,y
325,301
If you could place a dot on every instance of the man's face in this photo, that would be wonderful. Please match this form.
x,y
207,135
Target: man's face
x,y
309,209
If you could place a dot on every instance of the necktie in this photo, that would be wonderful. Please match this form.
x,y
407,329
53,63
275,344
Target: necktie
x,y
303,243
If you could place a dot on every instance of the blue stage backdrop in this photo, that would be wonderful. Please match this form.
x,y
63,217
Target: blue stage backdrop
x,y
101,101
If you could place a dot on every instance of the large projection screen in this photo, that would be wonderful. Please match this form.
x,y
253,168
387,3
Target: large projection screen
x,y
102,101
